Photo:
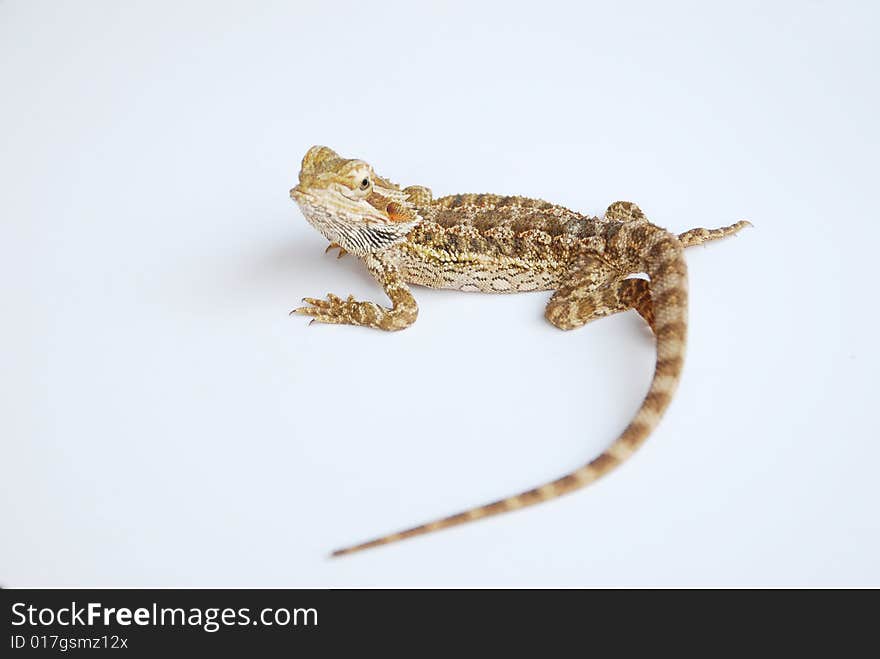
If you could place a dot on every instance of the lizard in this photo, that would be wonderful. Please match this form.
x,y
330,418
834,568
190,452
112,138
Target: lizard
x,y
490,243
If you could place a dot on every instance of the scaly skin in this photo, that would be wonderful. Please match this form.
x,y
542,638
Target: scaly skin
x,y
498,244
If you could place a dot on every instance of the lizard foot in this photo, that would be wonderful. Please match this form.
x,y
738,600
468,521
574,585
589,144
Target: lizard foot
x,y
341,249
332,310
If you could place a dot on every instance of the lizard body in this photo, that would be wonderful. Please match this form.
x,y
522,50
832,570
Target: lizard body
x,y
504,244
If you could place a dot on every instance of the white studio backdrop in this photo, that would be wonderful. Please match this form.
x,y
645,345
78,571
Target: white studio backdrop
x,y
165,423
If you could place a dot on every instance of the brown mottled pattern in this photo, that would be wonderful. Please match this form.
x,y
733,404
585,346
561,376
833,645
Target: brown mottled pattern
x,y
504,244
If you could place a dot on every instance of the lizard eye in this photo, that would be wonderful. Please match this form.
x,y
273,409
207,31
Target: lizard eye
x,y
365,183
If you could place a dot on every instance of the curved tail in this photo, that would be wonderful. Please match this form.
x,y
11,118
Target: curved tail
x,y
661,256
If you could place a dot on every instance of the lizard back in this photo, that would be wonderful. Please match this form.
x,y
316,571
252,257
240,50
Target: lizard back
x,y
494,243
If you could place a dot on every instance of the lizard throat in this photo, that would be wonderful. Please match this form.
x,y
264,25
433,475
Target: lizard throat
x,y
356,235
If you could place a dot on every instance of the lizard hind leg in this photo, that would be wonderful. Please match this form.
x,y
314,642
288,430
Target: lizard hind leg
x,y
570,309
624,211
700,235
627,211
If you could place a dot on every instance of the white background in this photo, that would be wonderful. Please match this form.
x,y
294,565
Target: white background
x,y
165,423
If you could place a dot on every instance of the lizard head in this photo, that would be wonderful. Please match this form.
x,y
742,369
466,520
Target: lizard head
x,y
350,204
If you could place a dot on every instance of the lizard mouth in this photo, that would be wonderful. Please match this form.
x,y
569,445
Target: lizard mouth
x,y
303,198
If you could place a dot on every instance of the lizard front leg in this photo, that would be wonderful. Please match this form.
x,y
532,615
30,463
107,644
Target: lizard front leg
x,y
335,245
402,314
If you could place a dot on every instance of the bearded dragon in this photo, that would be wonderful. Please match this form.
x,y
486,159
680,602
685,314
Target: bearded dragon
x,y
504,244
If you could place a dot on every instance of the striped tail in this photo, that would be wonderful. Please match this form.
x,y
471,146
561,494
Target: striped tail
x,y
663,260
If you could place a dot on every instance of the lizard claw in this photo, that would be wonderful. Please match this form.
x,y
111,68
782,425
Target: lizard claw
x,y
336,245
